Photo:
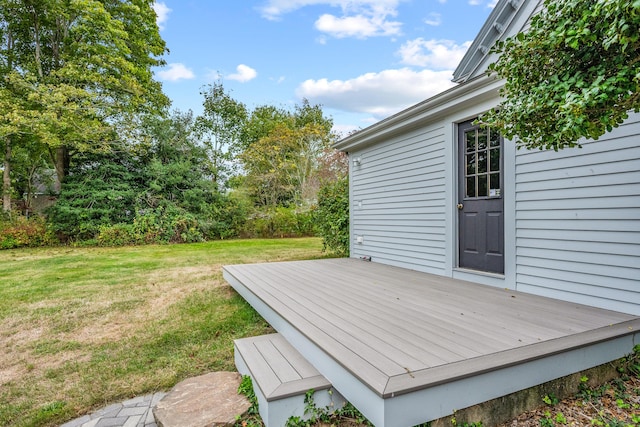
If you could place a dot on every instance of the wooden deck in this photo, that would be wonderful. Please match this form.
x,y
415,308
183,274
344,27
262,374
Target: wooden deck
x,y
406,347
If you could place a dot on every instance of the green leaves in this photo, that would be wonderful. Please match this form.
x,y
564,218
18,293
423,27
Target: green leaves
x,y
332,216
573,75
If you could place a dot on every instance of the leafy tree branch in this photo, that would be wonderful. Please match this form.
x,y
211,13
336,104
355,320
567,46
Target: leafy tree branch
x,y
573,74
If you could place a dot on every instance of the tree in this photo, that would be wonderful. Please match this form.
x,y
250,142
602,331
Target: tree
x,y
101,190
219,129
76,72
282,153
177,169
575,73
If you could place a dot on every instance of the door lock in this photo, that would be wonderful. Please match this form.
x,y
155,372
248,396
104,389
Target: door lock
x,y
460,206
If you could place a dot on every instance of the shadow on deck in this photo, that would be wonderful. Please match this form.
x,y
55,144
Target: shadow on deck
x,y
407,347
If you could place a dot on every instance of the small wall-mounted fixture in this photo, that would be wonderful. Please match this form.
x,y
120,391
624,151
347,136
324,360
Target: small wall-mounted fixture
x,y
356,161
359,240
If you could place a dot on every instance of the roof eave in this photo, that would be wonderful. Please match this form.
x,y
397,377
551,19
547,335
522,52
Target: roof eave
x,y
493,28
419,113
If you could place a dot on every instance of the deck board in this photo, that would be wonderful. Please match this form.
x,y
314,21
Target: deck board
x,y
398,330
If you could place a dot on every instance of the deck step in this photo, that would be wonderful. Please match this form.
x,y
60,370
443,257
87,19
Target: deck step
x,y
281,377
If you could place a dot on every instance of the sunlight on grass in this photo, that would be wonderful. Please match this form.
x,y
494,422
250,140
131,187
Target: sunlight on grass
x,y
84,327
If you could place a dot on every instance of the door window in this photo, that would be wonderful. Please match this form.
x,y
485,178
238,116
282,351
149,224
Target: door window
x,y
482,163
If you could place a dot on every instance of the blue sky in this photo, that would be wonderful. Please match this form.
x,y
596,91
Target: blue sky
x,y
362,60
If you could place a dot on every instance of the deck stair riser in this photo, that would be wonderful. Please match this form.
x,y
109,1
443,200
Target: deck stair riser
x,y
281,377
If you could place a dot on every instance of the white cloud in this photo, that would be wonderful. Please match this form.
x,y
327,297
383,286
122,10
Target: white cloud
x,y
358,26
434,19
379,94
359,18
175,72
438,54
162,13
244,74
274,9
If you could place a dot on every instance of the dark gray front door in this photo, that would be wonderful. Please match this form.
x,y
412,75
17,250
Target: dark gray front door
x,y
480,205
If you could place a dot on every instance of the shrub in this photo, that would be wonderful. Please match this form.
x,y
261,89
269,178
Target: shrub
x,y
22,232
116,235
279,222
166,224
332,216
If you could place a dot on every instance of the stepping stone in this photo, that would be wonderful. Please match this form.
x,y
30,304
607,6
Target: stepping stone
x,y
281,377
210,400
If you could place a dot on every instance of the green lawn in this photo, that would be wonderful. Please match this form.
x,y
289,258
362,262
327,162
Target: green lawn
x,y
84,327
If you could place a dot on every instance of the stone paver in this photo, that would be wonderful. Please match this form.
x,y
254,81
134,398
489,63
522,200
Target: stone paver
x,y
136,412
210,400
207,400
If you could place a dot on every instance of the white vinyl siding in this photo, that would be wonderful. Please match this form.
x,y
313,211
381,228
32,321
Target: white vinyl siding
x,y
578,221
398,201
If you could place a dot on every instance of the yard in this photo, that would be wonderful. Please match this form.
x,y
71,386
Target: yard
x,y
84,327
81,328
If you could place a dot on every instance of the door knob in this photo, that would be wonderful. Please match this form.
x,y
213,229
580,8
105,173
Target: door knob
x,y
460,206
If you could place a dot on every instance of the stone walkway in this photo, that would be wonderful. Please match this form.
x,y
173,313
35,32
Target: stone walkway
x,y
136,412
207,400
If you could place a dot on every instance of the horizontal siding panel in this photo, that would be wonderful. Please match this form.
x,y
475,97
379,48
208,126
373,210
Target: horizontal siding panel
x,y
433,228
417,241
428,192
404,260
579,298
401,175
581,236
589,180
404,145
568,224
581,288
566,178
406,155
436,226
578,221
399,216
423,191
563,276
610,142
416,162
582,266
591,193
628,261
403,248
421,207
429,239
581,214
562,162
573,204
632,250
398,201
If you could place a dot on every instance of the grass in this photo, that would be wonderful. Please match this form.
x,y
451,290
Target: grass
x,y
84,327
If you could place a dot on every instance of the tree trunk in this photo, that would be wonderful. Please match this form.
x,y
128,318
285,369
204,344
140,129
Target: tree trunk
x,y
61,162
6,179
